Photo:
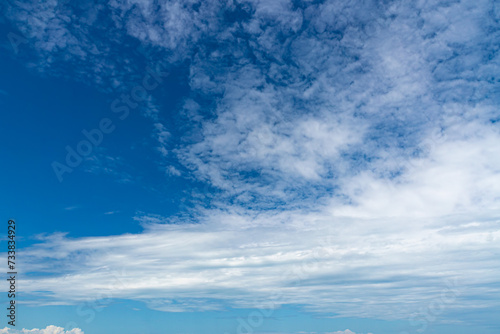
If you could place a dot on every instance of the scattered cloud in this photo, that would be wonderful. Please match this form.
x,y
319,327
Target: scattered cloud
x,y
341,332
348,93
308,96
162,136
47,330
172,171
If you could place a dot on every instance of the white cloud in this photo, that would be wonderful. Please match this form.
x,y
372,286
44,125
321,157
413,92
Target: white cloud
x,y
47,330
172,171
354,102
162,136
459,175
318,258
313,93
341,332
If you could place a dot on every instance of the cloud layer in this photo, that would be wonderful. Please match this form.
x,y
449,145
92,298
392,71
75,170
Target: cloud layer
x,y
316,259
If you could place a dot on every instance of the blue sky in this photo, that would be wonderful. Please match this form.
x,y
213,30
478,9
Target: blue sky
x,y
253,166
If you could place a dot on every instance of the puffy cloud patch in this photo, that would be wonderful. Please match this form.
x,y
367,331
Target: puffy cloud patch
x,y
48,330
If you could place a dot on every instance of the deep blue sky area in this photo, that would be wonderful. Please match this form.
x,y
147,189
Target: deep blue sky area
x,y
267,167
44,114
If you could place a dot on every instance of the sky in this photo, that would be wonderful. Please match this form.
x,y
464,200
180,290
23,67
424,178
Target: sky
x,y
267,167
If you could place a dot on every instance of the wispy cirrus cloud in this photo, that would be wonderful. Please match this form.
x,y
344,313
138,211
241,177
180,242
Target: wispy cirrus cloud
x,y
242,258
